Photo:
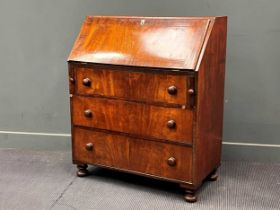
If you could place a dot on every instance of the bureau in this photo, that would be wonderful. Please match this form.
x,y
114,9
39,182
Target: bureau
x,y
146,97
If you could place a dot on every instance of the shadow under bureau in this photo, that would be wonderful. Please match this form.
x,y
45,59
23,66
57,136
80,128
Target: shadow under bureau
x,y
146,97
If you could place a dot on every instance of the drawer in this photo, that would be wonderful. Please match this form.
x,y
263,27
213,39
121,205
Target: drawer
x,y
137,86
174,124
123,152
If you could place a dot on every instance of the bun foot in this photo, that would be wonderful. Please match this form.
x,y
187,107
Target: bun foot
x,y
82,170
213,176
190,196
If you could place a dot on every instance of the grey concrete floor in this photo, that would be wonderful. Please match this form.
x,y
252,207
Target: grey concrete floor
x,y
46,180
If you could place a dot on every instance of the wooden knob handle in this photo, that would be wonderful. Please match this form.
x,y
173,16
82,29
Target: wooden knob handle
x,y
172,90
171,161
191,91
71,79
88,113
171,124
89,146
86,82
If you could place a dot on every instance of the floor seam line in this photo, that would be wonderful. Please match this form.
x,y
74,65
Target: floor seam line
x,y
62,193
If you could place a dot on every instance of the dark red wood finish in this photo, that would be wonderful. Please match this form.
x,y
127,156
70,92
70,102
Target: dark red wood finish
x,y
146,97
134,118
124,83
120,151
210,102
136,41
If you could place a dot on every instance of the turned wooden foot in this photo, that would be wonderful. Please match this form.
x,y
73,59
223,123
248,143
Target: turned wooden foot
x,y
190,196
82,170
213,176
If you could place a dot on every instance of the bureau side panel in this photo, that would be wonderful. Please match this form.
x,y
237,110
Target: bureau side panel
x,y
71,79
209,100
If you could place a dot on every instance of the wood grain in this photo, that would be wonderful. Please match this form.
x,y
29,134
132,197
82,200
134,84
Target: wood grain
x,y
133,154
147,96
134,118
111,81
210,102
139,41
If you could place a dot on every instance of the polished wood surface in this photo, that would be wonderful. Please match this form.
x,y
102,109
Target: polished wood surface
x,y
101,80
146,97
139,41
210,102
133,118
133,154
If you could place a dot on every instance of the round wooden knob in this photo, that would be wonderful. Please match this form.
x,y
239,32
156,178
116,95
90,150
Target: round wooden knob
x,y
71,79
89,146
172,90
171,124
191,91
86,82
88,113
171,161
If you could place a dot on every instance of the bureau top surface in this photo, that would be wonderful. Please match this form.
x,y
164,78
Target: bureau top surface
x,y
158,42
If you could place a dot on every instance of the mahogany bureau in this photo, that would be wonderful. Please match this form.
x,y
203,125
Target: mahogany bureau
x,y
146,97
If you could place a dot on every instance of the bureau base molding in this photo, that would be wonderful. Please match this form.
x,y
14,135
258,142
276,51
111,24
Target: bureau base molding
x,y
190,190
188,184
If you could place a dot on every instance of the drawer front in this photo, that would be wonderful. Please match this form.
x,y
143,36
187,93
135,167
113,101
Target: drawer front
x,y
138,86
173,124
156,158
